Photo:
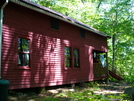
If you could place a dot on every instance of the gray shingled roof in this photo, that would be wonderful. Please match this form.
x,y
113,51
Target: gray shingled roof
x,y
53,13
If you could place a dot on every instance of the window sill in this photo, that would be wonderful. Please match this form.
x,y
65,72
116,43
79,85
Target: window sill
x,y
71,69
23,67
54,29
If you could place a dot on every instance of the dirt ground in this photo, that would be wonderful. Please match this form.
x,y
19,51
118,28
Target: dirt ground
x,y
111,88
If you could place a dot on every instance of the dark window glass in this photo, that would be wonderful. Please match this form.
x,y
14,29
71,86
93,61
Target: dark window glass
x,y
54,23
76,62
67,51
76,53
76,57
68,62
23,59
23,52
82,33
68,57
71,57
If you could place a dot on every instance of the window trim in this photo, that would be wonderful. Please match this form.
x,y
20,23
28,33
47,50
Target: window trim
x,y
30,53
72,59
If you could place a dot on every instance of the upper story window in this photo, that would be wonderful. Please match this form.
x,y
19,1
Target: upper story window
x,y
23,52
82,33
54,23
71,57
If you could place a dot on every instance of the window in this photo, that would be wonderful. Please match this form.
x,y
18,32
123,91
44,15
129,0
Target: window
x,y
76,57
72,57
54,23
82,33
23,52
100,57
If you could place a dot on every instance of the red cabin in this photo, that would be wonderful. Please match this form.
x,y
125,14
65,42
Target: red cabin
x,y
41,47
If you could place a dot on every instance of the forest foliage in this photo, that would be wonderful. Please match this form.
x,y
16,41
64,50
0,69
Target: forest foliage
x,y
113,17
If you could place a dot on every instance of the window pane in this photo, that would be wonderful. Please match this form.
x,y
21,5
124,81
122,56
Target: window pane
x,y
82,33
23,45
20,59
76,53
68,62
76,62
76,57
55,23
23,59
67,52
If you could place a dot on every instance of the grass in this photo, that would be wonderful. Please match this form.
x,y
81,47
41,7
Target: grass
x,y
81,92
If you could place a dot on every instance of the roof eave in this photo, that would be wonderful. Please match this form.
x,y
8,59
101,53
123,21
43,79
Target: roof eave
x,y
60,17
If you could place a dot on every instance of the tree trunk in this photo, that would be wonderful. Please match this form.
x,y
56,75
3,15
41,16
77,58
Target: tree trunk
x,y
113,61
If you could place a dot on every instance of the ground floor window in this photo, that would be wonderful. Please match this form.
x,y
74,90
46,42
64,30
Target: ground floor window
x,y
23,52
99,57
72,59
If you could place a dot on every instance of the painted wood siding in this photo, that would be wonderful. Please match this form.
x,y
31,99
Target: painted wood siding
x,y
47,50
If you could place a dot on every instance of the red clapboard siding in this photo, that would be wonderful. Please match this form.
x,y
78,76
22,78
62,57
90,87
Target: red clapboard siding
x,y
47,49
